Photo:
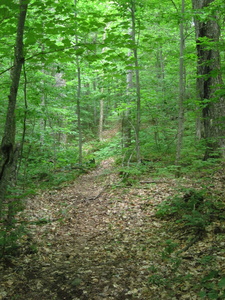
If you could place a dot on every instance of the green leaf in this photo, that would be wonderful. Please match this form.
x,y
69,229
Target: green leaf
x,y
213,295
221,283
202,294
79,51
212,274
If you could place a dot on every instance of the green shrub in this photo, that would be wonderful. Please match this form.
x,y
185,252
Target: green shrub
x,y
192,209
212,286
9,237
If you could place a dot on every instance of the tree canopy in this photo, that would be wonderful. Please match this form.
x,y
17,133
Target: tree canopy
x,y
141,81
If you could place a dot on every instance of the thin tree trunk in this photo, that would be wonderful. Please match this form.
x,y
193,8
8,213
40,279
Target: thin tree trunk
x,y
80,143
160,71
101,115
181,89
43,120
79,111
94,86
126,121
24,120
138,89
8,140
161,89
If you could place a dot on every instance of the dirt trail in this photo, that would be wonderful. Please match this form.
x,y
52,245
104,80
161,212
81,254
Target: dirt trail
x,y
94,242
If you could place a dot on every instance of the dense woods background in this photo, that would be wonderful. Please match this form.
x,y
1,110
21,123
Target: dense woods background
x,y
132,66
82,81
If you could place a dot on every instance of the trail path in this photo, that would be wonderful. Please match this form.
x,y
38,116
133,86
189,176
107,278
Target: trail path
x,y
95,242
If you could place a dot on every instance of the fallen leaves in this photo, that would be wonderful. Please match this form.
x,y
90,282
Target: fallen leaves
x,y
102,243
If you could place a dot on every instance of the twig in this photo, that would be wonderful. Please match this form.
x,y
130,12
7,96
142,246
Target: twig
x,y
153,181
192,242
99,194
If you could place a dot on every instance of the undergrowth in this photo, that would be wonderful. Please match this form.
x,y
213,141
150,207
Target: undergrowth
x,y
191,211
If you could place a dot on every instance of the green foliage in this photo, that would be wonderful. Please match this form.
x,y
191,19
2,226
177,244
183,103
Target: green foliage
x,y
213,286
46,110
65,156
159,278
193,209
130,174
10,230
108,148
45,167
192,161
9,237
170,247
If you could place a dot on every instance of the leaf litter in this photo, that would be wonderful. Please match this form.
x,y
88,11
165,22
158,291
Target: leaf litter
x,y
94,240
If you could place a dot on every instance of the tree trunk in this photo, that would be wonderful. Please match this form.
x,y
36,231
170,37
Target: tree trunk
x,y
79,112
209,79
181,90
101,104
138,89
8,140
126,119
80,142
24,121
160,68
101,117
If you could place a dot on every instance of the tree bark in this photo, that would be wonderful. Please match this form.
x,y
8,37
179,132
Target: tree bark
x,y
138,88
80,142
79,112
101,117
126,119
181,90
209,79
102,102
8,140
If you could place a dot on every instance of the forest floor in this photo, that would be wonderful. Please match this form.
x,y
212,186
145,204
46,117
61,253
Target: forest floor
x,y
98,239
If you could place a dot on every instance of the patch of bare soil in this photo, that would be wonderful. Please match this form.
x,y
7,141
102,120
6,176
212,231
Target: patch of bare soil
x,y
98,241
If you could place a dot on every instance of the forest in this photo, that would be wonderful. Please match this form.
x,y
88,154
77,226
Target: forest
x,y
112,148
